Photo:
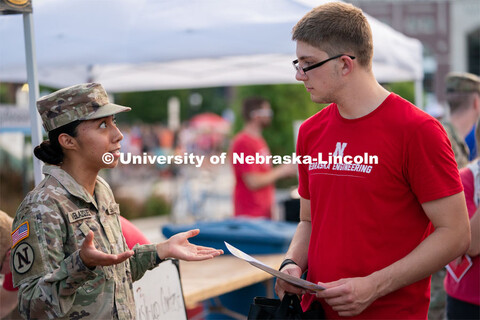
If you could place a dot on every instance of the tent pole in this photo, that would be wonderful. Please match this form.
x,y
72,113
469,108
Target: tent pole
x,y
33,91
419,93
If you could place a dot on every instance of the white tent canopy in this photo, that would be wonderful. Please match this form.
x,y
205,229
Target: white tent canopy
x,y
136,45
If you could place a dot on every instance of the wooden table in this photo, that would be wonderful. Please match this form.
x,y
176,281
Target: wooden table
x,y
207,279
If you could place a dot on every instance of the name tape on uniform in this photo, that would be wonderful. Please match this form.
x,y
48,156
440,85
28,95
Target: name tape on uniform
x,y
79,215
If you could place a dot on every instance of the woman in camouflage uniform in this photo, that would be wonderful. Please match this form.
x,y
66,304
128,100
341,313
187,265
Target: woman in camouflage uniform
x,y
69,257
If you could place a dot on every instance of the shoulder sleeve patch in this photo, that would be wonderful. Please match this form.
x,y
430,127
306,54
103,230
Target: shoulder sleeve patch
x,y
26,259
22,232
23,258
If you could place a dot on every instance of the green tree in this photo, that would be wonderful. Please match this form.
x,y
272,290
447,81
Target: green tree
x,y
289,102
405,89
152,106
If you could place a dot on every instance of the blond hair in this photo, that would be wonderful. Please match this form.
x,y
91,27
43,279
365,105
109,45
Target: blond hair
x,y
337,28
5,231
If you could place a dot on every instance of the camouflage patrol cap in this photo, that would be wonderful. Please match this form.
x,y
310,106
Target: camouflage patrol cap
x,y
5,231
462,82
80,102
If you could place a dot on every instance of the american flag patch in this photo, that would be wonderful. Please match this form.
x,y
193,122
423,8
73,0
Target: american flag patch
x,y
20,233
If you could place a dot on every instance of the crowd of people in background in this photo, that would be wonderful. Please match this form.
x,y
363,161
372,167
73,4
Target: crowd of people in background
x,y
159,140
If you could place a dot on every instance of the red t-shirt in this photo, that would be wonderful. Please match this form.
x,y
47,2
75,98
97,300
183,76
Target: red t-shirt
x,y
254,203
468,288
364,218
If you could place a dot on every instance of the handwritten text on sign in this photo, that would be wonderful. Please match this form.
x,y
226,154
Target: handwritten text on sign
x,y
158,295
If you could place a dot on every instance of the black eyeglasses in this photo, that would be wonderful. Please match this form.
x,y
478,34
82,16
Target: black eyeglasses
x,y
316,65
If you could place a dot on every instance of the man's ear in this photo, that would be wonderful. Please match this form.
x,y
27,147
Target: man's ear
x,y
476,103
347,66
67,142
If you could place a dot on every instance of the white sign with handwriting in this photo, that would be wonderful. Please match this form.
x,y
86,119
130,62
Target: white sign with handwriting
x,y
158,295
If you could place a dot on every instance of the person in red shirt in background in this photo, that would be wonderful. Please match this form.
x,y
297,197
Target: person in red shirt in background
x,y
462,281
254,187
371,231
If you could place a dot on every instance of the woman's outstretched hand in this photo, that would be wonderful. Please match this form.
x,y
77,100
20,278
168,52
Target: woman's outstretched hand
x,y
91,257
178,246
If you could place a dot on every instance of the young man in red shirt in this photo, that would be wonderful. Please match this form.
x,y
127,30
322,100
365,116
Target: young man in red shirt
x,y
372,231
254,187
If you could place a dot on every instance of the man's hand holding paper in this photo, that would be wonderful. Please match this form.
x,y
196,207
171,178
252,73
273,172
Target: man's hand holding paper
x,y
282,286
290,277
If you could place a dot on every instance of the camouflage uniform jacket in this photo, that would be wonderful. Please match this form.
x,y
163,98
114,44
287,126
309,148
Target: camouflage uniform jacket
x,y
459,147
49,229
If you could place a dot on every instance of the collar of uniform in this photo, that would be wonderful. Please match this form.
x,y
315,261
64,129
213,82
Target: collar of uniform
x,y
103,196
450,128
69,183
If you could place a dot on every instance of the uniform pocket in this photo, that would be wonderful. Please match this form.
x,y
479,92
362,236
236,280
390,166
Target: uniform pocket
x,y
90,291
96,284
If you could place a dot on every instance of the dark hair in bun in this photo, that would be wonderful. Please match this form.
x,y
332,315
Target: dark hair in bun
x,y
50,151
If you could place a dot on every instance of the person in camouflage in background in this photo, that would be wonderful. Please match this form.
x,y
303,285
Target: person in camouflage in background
x,y
69,257
463,98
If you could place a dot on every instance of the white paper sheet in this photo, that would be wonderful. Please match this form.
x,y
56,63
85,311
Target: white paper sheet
x,y
290,279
